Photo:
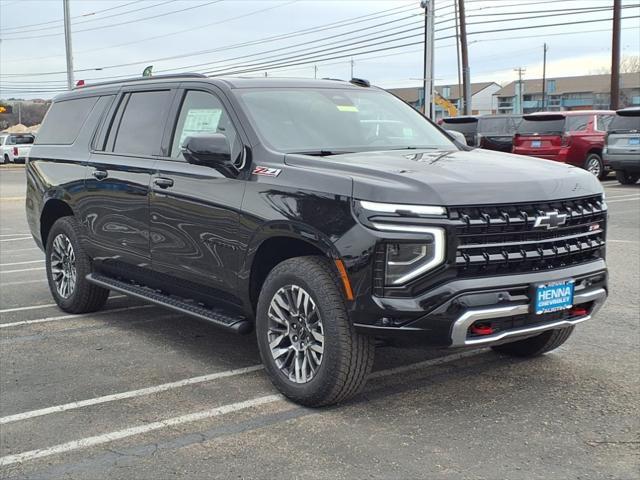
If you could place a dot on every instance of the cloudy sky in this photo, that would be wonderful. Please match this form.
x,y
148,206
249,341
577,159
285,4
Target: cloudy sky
x,y
300,38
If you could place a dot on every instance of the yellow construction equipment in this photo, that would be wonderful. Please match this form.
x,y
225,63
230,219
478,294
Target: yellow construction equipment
x,y
446,105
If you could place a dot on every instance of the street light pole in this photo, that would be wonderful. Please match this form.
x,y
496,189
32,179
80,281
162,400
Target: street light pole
x,y
67,44
428,64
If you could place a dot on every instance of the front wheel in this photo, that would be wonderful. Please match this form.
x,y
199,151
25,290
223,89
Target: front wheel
x,y
535,346
594,165
307,342
67,266
626,178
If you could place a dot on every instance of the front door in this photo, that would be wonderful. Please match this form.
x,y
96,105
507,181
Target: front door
x,y
194,208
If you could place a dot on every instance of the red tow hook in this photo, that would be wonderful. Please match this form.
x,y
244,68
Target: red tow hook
x,y
578,312
481,329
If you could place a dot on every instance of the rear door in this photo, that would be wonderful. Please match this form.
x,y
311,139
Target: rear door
x,y
119,176
194,208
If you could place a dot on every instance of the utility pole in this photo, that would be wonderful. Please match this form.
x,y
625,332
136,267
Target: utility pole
x,y
615,57
544,77
427,70
352,63
19,112
455,8
315,71
521,72
466,74
67,44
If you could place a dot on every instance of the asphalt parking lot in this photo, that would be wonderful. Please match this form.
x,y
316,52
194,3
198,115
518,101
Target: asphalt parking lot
x,y
135,391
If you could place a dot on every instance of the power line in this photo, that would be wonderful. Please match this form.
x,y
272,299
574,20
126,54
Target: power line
x,y
193,7
59,20
209,63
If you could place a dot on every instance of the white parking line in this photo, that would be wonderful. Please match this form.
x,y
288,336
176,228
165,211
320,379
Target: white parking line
x,y
623,200
622,241
130,394
19,250
24,282
15,239
129,432
611,197
192,417
20,263
71,316
22,270
47,305
14,234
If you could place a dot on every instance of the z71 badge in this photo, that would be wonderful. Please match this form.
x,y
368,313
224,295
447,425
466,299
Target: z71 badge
x,y
269,172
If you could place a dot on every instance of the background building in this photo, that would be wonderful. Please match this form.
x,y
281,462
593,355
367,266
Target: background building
x,y
587,92
483,100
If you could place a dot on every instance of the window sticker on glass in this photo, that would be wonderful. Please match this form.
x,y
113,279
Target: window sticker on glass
x,y
200,120
347,108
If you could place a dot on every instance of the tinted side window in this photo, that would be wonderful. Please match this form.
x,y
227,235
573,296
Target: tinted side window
x,y
577,123
142,122
64,120
603,122
202,113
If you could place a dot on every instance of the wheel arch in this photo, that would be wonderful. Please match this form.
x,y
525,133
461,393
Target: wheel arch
x,y
269,249
52,210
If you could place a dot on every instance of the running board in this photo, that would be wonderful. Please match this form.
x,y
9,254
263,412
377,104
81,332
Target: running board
x,y
237,324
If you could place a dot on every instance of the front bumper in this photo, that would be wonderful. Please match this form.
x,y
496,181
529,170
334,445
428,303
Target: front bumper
x,y
443,315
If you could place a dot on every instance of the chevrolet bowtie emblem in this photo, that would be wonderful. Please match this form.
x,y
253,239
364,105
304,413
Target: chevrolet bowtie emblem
x,y
550,220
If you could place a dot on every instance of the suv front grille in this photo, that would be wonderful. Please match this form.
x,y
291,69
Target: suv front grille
x,y
502,239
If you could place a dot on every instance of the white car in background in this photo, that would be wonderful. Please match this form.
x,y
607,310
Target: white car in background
x,y
15,147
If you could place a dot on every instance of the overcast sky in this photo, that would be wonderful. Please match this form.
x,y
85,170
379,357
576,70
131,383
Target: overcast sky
x,y
108,33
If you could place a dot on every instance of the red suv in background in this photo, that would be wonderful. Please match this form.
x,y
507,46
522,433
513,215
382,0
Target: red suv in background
x,y
570,137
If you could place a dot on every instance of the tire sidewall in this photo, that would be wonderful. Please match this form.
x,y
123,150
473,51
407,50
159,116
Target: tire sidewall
x,y
289,274
64,225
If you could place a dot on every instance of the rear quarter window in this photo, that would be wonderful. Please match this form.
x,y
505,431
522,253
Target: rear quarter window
x,y
577,123
64,120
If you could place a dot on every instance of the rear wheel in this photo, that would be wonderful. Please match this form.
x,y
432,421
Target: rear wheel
x,y
67,266
626,178
535,346
307,342
594,165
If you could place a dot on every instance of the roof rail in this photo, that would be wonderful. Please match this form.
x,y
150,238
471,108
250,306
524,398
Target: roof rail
x,y
133,79
361,82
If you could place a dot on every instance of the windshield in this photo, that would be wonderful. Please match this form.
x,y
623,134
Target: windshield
x,y
499,125
542,125
625,123
462,125
326,121
23,140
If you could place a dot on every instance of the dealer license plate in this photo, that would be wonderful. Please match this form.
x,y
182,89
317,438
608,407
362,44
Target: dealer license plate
x,y
536,143
634,141
555,296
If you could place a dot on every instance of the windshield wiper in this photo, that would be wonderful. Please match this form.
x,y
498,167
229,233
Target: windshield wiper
x,y
321,153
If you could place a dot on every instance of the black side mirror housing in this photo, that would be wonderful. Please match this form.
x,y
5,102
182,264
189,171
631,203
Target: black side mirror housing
x,y
211,150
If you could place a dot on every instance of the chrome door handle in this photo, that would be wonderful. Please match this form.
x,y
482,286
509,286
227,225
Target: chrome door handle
x,y
100,174
163,182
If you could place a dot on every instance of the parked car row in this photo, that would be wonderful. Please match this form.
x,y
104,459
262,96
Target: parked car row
x,y
596,140
15,147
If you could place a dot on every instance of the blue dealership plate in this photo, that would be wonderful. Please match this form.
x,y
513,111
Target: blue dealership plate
x,y
536,143
551,297
634,141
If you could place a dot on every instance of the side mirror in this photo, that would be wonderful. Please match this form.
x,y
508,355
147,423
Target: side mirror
x,y
458,136
211,150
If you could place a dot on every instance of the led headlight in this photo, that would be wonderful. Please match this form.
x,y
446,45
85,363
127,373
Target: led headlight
x,y
405,261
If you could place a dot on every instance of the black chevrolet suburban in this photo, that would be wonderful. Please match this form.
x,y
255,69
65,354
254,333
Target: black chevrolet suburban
x,y
327,216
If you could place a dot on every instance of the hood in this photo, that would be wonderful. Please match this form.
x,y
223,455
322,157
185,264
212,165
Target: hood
x,y
438,177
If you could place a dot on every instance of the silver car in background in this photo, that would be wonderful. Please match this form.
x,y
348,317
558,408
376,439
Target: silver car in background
x,y
622,145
